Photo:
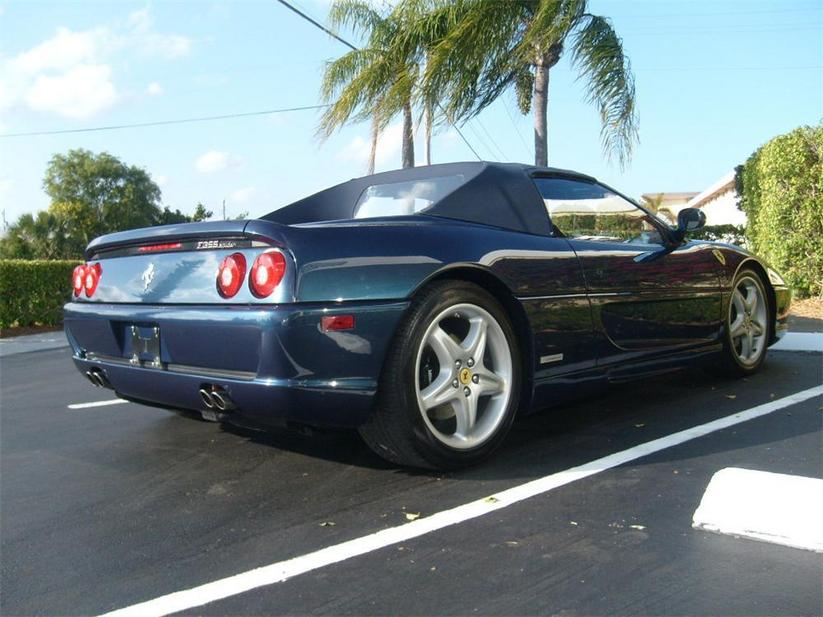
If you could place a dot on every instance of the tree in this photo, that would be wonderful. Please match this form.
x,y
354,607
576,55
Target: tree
x,y
91,194
375,82
120,196
489,46
200,213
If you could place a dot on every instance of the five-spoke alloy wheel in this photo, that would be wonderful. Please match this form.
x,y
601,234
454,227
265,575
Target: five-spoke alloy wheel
x,y
747,325
451,382
463,376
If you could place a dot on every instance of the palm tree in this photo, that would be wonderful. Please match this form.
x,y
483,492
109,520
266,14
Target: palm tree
x,y
490,46
376,82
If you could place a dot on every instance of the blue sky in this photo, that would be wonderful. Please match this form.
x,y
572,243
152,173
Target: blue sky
x,y
715,80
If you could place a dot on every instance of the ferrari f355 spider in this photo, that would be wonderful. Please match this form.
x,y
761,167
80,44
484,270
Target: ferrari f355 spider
x,y
424,307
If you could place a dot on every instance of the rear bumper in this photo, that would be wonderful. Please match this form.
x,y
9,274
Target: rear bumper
x,y
274,362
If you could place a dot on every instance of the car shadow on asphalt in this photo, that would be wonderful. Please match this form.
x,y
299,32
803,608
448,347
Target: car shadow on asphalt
x,y
591,426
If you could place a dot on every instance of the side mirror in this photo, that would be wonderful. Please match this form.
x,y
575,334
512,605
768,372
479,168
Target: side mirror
x,y
688,220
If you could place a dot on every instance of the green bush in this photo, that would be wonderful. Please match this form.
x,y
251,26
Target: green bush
x,y
781,188
34,292
731,234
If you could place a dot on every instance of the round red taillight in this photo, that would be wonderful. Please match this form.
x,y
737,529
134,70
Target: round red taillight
x,y
231,274
78,279
266,273
91,278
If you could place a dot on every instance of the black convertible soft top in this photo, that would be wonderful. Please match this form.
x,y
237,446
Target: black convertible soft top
x,y
499,194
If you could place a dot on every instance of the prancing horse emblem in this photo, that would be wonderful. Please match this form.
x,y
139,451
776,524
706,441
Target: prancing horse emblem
x,y
147,276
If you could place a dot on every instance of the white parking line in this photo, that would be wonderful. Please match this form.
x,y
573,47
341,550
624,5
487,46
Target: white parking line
x,y
283,570
114,401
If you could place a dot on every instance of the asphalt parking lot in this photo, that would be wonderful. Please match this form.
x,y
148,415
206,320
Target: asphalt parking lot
x,y
105,507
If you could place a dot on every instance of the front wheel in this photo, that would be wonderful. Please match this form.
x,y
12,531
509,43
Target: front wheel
x,y
450,386
747,326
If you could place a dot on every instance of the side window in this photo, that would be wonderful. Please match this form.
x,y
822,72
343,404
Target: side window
x,y
588,211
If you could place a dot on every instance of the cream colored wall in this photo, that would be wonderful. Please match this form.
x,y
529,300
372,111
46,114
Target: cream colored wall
x,y
722,210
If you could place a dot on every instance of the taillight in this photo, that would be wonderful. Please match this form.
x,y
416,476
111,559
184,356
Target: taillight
x,y
266,273
231,274
78,279
91,277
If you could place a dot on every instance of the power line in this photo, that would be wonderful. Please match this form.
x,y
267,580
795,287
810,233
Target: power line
x,y
337,37
808,67
115,127
491,139
317,24
516,129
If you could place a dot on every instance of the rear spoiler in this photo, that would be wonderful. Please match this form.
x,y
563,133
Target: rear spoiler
x,y
190,236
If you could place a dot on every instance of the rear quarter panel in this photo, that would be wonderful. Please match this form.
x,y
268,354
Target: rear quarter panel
x,y
390,259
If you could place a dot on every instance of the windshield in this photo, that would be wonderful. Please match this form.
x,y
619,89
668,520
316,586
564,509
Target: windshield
x,y
404,198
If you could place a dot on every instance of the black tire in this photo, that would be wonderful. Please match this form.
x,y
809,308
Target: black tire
x,y
396,430
730,362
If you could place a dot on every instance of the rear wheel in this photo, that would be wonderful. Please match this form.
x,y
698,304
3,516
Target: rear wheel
x,y
747,326
451,382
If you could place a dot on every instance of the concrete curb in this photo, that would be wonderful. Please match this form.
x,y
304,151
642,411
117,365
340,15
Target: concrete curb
x,y
32,342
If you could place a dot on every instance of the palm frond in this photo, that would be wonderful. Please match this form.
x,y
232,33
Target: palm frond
x,y
355,14
597,53
477,55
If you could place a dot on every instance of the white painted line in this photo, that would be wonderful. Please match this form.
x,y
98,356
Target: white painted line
x,y
765,506
115,401
800,341
283,570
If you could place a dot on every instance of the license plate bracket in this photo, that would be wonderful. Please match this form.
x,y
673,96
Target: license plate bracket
x,y
145,346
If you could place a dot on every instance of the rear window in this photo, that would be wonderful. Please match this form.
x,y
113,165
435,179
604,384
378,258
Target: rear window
x,y
404,198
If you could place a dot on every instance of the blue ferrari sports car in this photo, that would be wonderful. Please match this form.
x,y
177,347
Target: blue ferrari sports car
x,y
424,307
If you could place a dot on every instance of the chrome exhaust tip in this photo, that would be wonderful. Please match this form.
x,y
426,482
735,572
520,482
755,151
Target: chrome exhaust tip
x,y
208,401
96,378
222,400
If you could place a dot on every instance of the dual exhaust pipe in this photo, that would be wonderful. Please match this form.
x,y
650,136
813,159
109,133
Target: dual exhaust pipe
x,y
216,398
97,378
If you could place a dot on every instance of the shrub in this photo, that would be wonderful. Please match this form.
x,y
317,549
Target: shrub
x,y
33,292
781,188
731,234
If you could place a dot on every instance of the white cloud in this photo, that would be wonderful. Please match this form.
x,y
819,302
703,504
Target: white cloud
x,y
64,50
140,34
242,196
388,148
160,180
71,73
214,161
154,89
78,93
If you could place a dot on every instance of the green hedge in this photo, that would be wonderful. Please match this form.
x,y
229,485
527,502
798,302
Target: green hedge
x,y
781,188
34,292
731,234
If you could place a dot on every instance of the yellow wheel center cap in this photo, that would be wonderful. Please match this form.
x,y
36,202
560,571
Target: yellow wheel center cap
x,y
465,376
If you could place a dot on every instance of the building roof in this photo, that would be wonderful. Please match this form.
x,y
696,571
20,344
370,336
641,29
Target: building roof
x,y
669,197
720,187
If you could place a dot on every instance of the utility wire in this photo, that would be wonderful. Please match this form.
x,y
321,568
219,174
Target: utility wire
x,y
516,128
317,24
337,37
115,127
494,143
